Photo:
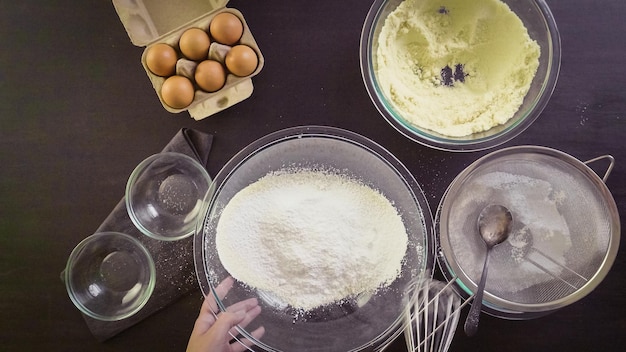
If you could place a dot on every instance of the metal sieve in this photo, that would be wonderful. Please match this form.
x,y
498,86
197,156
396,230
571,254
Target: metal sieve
x,y
564,235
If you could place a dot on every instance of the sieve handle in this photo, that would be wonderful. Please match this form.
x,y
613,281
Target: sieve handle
x,y
609,169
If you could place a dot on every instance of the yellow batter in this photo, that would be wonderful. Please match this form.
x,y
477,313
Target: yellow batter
x,y
455,67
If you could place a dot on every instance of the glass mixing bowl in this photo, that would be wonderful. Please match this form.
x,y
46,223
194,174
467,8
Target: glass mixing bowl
x,y
370,322
541,26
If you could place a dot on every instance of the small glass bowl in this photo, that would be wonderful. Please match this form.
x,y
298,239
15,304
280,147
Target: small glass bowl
x,y
109,276
164,195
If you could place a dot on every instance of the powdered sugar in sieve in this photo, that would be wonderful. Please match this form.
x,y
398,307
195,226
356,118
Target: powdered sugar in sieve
x,y
538,227
563,229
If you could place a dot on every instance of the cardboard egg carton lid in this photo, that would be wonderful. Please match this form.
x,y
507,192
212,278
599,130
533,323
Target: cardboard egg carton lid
x,y
146,21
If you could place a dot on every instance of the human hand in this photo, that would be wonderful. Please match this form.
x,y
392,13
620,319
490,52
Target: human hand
x,y
213,334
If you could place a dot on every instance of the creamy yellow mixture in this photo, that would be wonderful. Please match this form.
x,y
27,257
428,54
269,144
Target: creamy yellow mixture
x,y
455,67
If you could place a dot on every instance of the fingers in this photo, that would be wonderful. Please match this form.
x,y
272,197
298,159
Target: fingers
x,y
209,308
221,290
258,333
251,313
243,305
242,345
226,321
253,310
205,319
208,326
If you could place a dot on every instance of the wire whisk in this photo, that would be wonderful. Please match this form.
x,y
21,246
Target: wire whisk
x,y
431,316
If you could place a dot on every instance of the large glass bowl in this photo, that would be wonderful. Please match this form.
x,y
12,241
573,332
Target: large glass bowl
x,y
541,26
372,322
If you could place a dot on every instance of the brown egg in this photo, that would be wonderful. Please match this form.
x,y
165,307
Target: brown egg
x,y
177,92
194,44
241,60
161,59
226,28
210,75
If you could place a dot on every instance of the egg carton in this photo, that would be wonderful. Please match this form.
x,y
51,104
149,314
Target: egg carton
x,y
149,22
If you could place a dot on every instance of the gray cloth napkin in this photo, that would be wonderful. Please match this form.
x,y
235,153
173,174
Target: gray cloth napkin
x,y
174,263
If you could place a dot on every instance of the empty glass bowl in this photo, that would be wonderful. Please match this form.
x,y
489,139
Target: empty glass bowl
x,y
164,195
109,276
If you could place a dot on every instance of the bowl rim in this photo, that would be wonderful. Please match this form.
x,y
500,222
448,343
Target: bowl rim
x,y
307,131
451,144
76,252
134,176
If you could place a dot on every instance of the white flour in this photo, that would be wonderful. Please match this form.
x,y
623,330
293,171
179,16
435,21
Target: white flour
x,y
538,227
311,237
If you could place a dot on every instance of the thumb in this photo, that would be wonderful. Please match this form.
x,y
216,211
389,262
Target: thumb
x,y
227,320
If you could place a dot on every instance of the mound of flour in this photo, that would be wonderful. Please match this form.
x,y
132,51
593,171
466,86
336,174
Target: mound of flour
x,y
311,237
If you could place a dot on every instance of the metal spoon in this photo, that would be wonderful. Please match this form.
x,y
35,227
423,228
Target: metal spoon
x,y
494,224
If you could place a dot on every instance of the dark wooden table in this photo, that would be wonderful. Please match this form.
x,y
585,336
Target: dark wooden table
x,y
77,113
